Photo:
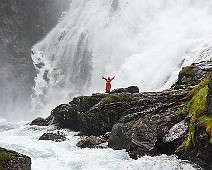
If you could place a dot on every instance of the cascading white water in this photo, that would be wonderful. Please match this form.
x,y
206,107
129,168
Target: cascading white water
x,y
142,42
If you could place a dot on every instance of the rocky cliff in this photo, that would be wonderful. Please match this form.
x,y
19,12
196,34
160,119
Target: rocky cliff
x,y
175,121
22,24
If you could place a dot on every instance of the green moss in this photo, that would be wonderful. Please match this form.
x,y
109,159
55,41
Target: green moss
x,y
211,140
198,104
183,111
190,142
208,124
112,98
4,157
186,71
197,107
201,85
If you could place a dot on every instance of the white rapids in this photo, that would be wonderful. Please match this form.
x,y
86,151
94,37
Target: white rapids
x,y
49,155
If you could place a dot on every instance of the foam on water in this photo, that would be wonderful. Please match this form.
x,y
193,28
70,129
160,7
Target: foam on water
x,y
49,155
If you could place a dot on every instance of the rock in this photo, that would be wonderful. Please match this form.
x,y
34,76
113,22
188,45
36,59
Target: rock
x,y
201,152
209,99
11,160
65,116
176,131
70,115
140,136
39,121
193,74
57,137
94,141
131,89
101,118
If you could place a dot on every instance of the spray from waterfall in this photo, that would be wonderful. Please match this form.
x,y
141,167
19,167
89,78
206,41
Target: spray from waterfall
x,y
142,42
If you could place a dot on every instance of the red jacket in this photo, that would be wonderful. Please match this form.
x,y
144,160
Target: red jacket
x,y
108,83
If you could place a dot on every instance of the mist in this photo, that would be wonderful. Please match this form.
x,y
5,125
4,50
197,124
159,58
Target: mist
x,y
23,24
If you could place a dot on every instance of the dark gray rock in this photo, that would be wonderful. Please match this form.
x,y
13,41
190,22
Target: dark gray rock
x,y
57,137
70,115
201,152
193,74
94,141
11,160
131,89
65,116
39,121
140,136
209,99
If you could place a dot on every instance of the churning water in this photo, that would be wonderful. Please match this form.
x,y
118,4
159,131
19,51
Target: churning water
x,y
49,155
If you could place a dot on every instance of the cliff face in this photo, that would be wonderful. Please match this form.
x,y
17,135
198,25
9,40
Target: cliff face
x,y
175,121
22,24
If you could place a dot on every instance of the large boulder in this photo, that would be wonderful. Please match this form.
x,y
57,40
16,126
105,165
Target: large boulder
x,y
64,116
140,135
11,160
70,115
101,118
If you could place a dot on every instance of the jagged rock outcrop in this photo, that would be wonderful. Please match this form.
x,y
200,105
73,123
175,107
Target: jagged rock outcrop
x,y
174,121
11,160
193,74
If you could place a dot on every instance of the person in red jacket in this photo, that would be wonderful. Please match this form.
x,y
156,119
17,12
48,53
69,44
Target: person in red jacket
x,y
108,83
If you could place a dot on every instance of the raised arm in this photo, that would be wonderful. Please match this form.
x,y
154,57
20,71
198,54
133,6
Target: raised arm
x,y
104,78
112,78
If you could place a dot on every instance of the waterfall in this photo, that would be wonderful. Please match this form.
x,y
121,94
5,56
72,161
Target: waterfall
x,y
141,42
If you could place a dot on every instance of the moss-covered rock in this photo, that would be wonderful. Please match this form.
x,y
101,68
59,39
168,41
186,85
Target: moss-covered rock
x,y
200,128
11,160
192,75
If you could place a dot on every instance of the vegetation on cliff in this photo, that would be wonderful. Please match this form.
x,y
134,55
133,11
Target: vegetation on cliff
x,y
197,108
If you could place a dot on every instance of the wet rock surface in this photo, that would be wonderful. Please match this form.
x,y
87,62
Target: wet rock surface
x,y
39,121
131,89
94,141
11,160
57,137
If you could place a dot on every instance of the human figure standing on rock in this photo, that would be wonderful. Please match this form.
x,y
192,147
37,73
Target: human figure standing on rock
x,y
108,83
